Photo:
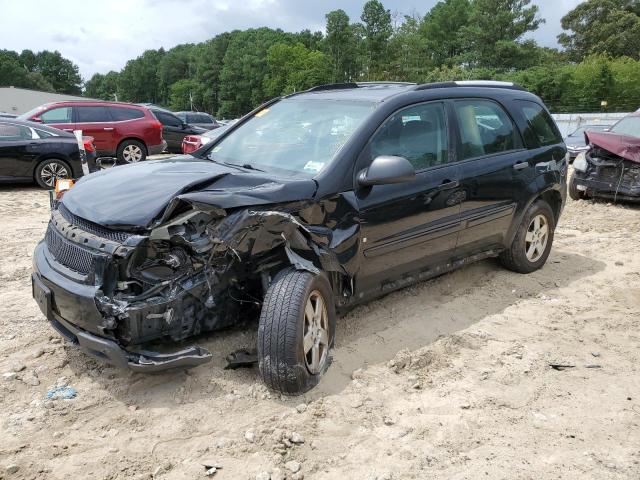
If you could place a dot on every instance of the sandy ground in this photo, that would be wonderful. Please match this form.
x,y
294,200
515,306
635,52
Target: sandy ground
x,y
449,379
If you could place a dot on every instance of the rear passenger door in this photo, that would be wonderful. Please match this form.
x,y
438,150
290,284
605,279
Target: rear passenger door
x,y
494,172
409,226
172,130
95,121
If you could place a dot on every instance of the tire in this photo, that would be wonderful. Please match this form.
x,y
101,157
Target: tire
x,y
131,151
48,171
519,257
284,365
574,193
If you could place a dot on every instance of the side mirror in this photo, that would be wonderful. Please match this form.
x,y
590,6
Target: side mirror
x,y
36,119
184,126
387,169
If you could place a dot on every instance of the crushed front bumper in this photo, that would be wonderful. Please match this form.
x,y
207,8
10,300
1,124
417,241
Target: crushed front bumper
x,y
54,292
594,185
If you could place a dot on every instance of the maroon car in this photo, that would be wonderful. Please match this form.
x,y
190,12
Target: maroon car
x,y
128,132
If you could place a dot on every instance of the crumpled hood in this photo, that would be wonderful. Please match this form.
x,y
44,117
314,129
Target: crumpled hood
x,y
135,196
624,146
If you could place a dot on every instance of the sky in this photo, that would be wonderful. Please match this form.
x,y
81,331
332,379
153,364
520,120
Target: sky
x,y
100,36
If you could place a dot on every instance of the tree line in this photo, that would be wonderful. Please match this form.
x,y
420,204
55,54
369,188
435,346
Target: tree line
x,y
233,72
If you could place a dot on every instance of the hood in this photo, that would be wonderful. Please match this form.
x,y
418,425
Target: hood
x,y
623,146
136,196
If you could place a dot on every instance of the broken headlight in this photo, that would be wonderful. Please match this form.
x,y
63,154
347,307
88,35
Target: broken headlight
x,y
160,261
580,163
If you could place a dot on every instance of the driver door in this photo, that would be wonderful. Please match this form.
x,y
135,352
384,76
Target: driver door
x,y
410,226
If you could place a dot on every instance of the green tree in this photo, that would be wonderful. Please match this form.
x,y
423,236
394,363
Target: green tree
x,y
14,73
441,30
102,86
60,72
408,60
610,27
185,94
292,68
377,29
138,80
493,35
340,45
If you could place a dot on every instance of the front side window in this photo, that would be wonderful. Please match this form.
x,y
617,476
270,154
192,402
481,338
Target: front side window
x,y
299,136
57,115
92,114
627,126
485,129
417,133
541,123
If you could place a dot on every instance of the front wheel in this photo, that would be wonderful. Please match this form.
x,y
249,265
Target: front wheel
x,y
574,193
49,171
296,331
131,151
532,244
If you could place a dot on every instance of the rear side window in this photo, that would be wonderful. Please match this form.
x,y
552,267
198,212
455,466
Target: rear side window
x,y
10,132
168,119
204,119
485,129
541,125
56,115
90,114
417,133
120,114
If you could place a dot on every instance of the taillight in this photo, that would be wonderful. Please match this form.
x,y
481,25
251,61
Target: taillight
x,y
88,144
157,124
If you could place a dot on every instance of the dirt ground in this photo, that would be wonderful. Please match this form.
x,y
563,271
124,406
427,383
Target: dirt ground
x,y
448,379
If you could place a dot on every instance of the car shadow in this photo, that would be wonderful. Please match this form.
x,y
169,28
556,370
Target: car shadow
x,y
369,334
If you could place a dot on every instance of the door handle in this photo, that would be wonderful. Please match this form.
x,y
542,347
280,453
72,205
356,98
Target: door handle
x,y
448,185
68,129
108,129
520,165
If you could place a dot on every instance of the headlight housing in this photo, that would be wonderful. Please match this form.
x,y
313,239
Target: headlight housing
x,y
580,163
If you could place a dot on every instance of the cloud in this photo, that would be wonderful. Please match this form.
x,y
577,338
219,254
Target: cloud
x,y
101,36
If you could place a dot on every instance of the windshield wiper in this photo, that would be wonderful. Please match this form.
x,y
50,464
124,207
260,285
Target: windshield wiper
x,y
246,166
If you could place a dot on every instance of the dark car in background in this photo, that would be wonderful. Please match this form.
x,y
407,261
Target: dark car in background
x,y
32,152
199,119
610,166
575,141
126,131
311,204
174,129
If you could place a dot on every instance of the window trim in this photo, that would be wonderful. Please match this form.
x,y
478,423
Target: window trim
x,y
458,146
447,129
72,117
537,144
109,107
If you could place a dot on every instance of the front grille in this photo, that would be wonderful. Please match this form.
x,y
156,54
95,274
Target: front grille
x,y
69,254
614,175
93,228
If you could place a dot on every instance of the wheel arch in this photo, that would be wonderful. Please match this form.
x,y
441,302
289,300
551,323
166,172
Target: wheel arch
x,y
44,158
137,139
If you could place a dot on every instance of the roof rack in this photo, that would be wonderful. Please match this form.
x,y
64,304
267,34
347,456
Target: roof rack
x,y
332,86
470,83
366,84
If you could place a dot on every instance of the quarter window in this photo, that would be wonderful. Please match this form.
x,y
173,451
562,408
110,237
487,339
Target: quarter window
x,y
417,133
57,115
14,133
485,129
92,114
540,123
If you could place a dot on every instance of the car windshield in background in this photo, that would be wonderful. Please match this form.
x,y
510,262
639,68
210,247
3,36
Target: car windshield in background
x,y
627,126
294,135
588,128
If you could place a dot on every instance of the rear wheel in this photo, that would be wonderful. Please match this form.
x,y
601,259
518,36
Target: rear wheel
x,y
296,331
131,151
532,244
49,171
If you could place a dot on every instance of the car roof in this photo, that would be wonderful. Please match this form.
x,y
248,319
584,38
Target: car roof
x,y
91,103
36,126
381,91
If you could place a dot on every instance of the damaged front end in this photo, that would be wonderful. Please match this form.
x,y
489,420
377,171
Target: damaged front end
x,y
609,169
200,268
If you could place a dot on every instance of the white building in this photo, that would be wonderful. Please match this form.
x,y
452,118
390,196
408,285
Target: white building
x,y
20,100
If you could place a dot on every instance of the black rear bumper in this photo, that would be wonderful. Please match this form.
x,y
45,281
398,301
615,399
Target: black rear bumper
x,y
52,296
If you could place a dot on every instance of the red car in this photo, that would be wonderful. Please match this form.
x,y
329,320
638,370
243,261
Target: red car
x,y
128,132
191,143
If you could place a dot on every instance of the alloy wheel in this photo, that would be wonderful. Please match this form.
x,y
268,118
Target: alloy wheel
x,y
132,153
536,238
52,172
315,333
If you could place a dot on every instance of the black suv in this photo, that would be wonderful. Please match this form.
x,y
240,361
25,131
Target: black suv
x,y
309,205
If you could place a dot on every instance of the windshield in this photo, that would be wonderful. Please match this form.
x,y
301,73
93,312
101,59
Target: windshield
x,y
299,136
32,112
628,126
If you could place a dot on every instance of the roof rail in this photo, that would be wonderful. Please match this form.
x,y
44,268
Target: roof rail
x,y
365,84
332,86
470,83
